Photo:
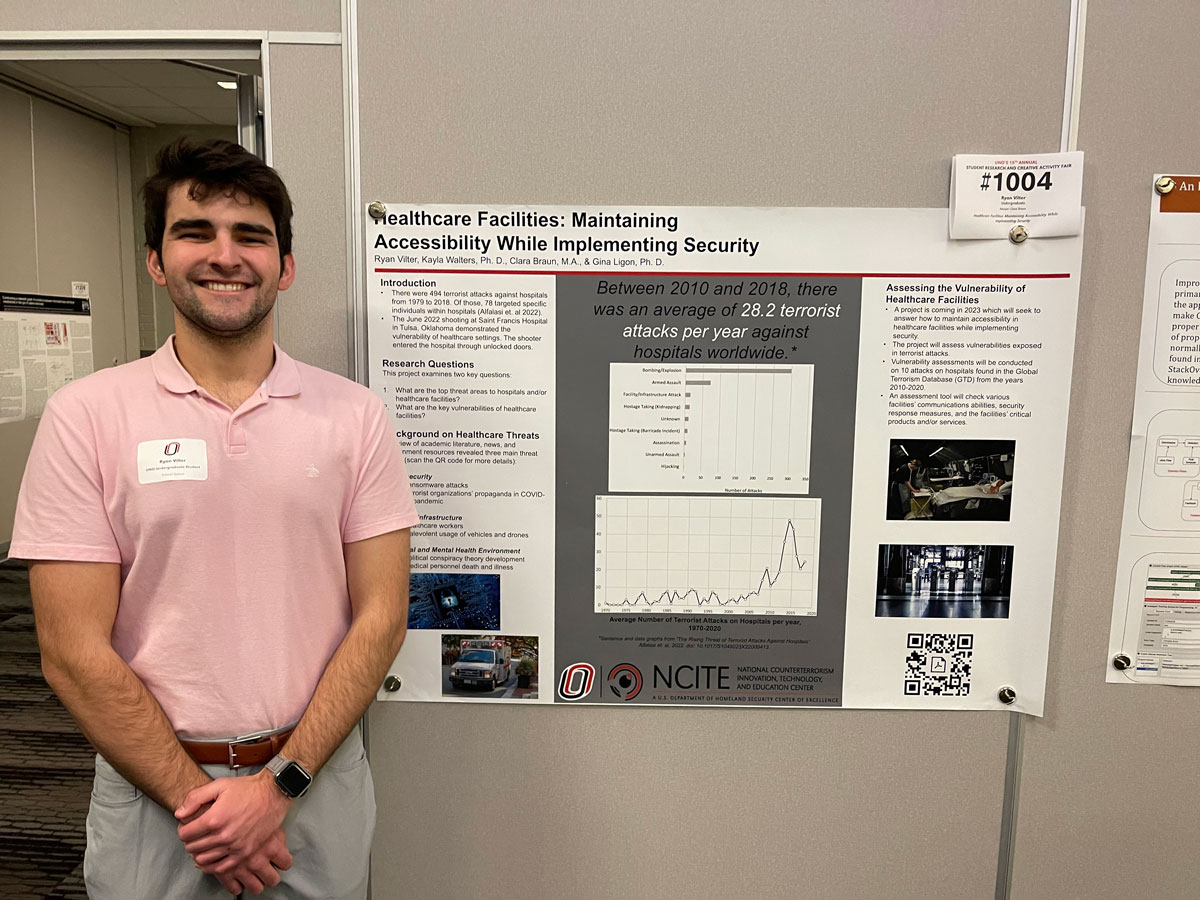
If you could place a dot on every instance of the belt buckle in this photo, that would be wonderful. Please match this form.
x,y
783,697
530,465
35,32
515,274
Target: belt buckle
x,y
245,740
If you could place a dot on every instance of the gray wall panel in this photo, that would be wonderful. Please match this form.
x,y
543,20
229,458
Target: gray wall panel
x,y
687,103
1109,783
61,213
803,104
308,140
705,804
139,15
18,259
18,271
79,195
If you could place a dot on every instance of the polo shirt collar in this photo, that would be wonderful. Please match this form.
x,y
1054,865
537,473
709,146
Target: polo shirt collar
x,y
282,381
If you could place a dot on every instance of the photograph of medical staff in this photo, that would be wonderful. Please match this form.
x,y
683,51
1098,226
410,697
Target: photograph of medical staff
x,y
950,479
943,581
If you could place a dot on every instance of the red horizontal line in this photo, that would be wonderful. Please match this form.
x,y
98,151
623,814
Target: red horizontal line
x,y
1172,600
718,694
974,275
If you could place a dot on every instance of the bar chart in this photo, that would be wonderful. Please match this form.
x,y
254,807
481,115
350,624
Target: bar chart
x,y
710,428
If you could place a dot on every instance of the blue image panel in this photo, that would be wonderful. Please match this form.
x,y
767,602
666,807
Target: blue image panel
x,y
450,600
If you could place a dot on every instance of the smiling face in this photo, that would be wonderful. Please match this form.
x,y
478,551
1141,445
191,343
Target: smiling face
x,y
220,263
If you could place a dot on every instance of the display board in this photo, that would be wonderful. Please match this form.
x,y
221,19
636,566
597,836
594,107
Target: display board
x,y
803,104
1155,636
1105,748
756,104
45,342
698,456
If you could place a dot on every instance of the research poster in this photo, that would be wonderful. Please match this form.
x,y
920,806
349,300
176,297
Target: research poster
x,y
45,342
1155,635
721,456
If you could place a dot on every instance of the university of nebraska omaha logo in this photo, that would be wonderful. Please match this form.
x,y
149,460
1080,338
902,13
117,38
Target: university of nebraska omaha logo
x,y
576,681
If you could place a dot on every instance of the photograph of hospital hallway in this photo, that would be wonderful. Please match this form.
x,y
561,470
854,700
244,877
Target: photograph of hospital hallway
x,y
943,581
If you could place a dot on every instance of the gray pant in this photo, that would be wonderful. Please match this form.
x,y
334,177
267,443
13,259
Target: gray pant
x,y
134,852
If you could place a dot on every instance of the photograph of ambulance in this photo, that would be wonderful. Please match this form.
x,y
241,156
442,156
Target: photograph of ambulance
x,y
487,663
489,666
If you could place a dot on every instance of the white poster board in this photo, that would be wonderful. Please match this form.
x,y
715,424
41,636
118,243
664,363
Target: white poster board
x,y
661,453
1155,635
45,342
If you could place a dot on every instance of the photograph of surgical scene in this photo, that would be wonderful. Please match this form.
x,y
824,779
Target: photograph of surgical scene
x,y
438,600
950,479
943,581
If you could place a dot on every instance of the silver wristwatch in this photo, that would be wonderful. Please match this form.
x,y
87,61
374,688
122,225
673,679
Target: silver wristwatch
x,y
290,777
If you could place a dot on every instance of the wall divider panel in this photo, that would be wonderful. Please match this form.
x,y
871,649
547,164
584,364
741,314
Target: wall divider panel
x,y
807,103
1109,782
772,104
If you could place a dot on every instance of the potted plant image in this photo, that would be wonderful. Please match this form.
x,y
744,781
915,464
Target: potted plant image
x,y
526,669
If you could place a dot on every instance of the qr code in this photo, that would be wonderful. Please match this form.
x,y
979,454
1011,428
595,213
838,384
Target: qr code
x,y
938,665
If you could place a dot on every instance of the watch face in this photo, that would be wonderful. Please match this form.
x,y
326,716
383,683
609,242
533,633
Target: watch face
x,y
293,780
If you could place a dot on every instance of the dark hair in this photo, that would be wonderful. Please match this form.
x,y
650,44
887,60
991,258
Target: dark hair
x,y
214,166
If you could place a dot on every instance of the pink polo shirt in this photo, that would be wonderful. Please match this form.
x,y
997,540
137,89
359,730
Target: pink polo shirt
x,y
228,526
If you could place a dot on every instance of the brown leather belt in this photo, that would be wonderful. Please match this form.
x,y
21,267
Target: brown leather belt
x,y
252,750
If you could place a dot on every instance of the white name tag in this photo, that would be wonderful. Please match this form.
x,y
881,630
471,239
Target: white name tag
x,y
172,459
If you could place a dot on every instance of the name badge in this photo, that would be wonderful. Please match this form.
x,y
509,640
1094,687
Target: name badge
x,y
172,459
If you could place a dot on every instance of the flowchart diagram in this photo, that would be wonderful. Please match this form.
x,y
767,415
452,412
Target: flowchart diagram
x,y
1170,497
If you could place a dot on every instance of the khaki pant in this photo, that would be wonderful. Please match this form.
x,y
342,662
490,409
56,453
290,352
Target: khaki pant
x,y
134,852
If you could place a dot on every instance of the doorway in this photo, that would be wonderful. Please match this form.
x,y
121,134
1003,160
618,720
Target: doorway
x,y
79,127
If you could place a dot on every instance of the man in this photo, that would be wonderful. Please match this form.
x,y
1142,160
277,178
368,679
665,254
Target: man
x,y
218,545
898,492
913,479
904,479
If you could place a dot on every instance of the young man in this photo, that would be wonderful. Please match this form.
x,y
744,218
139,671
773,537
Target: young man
x,y
218,544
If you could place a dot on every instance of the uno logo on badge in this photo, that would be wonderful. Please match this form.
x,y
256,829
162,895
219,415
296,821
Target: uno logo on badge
x,y
576,680
625,681
171,449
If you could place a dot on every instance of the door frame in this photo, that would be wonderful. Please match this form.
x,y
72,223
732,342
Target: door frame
x,y
20,46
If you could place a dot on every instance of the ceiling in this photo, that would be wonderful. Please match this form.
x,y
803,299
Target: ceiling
x,y
140,92
932,452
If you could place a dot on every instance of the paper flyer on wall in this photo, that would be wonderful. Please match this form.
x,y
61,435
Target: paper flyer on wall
x,y
723,456
1155,635
45,342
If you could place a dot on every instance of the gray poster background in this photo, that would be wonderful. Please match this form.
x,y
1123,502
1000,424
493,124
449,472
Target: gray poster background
x,y
586,345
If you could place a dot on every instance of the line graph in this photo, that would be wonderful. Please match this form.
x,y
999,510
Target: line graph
x,y
788,556
707,555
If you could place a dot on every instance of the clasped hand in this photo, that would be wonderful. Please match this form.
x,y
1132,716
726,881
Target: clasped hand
x,y
231,828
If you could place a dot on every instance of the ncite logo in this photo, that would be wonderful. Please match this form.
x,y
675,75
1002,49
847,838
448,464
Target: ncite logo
x,y
576,680
171,449
625,681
